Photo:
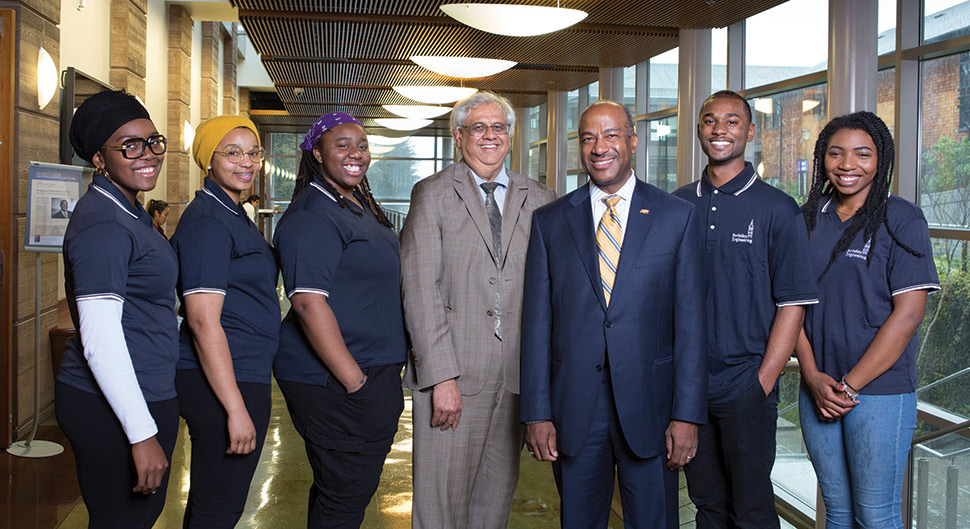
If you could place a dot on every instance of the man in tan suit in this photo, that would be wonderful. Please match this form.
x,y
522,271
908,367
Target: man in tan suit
x,y
463,249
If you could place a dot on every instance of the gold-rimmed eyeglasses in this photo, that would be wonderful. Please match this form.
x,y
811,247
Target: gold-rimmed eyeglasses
x,y
235,155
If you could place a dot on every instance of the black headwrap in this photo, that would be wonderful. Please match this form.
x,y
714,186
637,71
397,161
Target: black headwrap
x,y
99,116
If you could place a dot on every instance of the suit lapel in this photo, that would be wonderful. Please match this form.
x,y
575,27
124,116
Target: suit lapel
x,y
639,222
580,221
469,194
515,197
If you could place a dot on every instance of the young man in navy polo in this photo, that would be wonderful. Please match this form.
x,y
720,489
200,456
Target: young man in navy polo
x,y
761,278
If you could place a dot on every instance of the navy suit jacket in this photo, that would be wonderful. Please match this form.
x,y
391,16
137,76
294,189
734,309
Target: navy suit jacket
x,y
653,335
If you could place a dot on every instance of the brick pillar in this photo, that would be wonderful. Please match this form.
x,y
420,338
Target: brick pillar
x,y
36,24
230,61
211,36
244,102
129,27
179,98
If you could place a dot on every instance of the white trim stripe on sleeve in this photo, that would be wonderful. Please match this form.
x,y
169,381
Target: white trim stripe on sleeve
x,y
933,287
105,295
797,302
307,291
203,290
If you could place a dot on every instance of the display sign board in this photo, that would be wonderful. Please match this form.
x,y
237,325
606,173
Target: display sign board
x,y
53,191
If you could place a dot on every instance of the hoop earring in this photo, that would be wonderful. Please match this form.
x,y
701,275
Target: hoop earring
x,y
101,171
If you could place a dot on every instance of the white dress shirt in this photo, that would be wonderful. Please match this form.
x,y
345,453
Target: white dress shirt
x,y
597,195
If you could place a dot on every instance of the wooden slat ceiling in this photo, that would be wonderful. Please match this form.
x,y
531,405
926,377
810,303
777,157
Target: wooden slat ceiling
x,y
347,54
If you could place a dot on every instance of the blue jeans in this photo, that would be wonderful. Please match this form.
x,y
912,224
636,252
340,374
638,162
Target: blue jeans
x,y
860,459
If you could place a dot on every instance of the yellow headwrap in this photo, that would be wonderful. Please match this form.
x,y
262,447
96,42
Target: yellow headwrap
x,y
211,132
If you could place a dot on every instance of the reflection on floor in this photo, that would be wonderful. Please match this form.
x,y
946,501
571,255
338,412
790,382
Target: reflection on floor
x,y
277,498
43,493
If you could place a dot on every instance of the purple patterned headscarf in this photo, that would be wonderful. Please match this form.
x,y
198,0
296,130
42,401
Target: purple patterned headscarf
x,y
323,124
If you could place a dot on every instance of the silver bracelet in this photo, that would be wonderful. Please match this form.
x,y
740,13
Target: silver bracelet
x,y
849,390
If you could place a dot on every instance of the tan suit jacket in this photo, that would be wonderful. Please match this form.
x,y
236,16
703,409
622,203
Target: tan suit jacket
x,y
449,280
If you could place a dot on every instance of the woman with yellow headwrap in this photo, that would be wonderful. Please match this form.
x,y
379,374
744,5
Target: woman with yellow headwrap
x,y
227,285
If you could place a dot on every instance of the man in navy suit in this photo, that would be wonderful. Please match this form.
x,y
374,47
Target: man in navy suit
x,y
614,358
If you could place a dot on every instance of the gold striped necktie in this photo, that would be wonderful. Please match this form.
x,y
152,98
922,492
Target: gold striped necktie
x,y
609,237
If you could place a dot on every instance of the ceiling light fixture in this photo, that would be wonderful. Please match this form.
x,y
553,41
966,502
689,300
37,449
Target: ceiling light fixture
x,y
402,123
463,67
514,20
417,111
385,140
435,94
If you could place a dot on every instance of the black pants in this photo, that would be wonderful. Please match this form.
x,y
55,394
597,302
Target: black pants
x,y
220,482
105,470
347,438
729,480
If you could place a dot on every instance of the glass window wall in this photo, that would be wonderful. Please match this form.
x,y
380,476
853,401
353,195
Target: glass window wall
x,y
777,49
663,81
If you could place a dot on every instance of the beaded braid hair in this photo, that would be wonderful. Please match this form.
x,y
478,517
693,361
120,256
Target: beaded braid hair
x,y
873,212
310,168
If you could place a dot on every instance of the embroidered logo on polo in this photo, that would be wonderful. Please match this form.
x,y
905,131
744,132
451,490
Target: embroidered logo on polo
x,y
859,254
745,237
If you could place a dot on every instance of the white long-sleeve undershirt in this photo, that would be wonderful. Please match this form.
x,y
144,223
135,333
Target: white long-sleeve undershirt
x,y
106,352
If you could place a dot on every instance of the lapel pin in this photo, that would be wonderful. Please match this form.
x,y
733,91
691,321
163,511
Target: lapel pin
x,y
644,211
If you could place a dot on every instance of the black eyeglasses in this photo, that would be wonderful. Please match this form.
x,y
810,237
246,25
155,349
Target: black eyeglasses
x,y
135,147
235,155
478,129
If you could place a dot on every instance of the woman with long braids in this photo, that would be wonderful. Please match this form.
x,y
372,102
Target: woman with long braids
x,y
115,392
872,256
342,344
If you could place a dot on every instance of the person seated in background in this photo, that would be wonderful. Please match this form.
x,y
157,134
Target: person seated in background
x,y
251,205
159,209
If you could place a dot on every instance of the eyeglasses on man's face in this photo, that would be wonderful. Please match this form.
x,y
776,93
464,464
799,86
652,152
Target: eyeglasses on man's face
x,y
134,148
478,129
235,155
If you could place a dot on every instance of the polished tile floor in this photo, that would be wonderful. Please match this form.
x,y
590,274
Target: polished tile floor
x,y
277,497
43,494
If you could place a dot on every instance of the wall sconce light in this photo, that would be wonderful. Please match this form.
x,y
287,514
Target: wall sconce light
x,y
189,133
765,105
46,78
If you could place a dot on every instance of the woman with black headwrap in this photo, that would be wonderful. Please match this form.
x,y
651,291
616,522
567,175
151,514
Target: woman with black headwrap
x,y
342,344
115,392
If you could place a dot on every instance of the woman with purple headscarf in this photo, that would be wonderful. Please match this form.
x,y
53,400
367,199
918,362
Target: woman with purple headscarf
x,y
342,344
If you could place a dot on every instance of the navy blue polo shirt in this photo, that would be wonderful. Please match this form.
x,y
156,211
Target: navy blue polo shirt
x,y
758,260
856,297
220,251
329,250
112,251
